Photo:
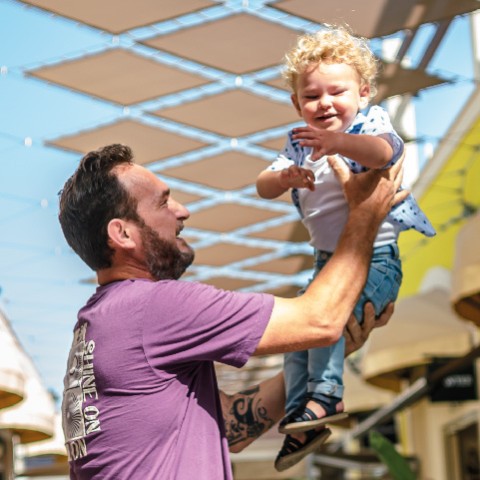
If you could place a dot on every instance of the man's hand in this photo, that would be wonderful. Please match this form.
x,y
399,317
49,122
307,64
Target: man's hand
x,y
374,192
297,177
356,335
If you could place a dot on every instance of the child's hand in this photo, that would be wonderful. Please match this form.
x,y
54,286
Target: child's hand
x,y
323,142
297,177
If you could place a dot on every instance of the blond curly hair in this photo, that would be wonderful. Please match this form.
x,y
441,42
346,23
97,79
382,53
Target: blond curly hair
x,y
334,44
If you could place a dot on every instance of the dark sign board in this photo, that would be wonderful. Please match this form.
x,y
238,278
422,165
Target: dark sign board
x,y
458,386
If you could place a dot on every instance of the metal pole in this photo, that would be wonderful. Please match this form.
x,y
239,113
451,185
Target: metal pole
x,y
6,454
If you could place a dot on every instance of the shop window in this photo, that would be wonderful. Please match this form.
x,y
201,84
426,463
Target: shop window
x,y
463,452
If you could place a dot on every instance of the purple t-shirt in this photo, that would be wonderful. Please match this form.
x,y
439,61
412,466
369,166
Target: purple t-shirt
x,y
141,398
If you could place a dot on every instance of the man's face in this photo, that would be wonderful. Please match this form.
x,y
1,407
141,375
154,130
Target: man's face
x,y
164,260
164,253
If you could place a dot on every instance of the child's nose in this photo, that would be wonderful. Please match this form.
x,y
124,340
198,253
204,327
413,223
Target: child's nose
x,y
325,101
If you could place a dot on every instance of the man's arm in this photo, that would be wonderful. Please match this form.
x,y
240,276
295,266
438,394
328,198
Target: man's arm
x,y
252,412
317,318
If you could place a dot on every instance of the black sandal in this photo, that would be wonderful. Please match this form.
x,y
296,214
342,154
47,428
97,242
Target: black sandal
x,y
303,418
294,450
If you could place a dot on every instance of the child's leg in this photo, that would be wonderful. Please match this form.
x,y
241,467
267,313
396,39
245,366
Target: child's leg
x,y
383,282
296,368
325,370
298,445
325,384
324,391
296,377
305,426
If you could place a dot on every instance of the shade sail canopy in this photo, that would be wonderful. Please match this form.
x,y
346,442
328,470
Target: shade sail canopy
x,y
202,102
378,17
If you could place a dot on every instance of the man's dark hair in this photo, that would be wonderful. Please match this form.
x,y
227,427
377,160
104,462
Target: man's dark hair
x,y
90,198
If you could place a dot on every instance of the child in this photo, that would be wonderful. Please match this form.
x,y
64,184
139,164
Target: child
x,y
332,77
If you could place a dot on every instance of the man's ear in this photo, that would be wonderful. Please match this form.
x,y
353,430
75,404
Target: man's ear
x,y
120,234
294,99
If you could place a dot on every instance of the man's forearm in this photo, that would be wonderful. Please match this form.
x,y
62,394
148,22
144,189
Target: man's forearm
x,y
340,282
318,317
250,413
337,287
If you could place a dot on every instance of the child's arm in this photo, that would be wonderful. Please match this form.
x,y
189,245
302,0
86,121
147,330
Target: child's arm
x,y
368,150
272,184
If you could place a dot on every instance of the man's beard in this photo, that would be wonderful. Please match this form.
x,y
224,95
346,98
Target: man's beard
x,y
164,260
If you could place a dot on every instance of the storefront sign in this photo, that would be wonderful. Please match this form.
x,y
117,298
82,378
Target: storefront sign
x,y
458,386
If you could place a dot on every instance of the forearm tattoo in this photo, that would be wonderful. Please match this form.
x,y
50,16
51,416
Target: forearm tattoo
x,y
247,417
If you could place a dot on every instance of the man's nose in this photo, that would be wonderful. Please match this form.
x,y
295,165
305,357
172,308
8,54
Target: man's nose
x,y
178,208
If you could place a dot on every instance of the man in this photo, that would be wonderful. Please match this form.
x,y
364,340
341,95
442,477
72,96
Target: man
x,y
141,398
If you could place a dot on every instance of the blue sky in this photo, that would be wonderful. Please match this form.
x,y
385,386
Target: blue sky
x,y
40,278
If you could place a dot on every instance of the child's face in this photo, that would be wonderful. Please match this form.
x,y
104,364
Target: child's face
x,y
329,96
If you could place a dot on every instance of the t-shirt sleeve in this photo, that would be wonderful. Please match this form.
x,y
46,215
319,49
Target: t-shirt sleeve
x,y
378,122
289,155
188,321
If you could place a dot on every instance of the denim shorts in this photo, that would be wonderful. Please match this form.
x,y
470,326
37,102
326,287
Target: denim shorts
x,y
384,278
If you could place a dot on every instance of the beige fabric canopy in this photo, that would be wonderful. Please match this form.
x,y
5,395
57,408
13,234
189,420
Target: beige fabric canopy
x,y
12,378
466,271
422,327
361,396
33,418
46,457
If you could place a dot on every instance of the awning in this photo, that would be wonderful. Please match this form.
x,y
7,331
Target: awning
x,y
12,378
361,396
33,418
423,326
466,271
47,457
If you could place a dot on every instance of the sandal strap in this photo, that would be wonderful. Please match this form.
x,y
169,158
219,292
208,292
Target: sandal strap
x,y
307,414
291,444
301,414
304,414
329,404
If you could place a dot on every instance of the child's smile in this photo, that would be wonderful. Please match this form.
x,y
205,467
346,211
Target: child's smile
x,y
329,96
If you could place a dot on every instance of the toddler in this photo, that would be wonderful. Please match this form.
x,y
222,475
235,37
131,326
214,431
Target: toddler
x,y
332,78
